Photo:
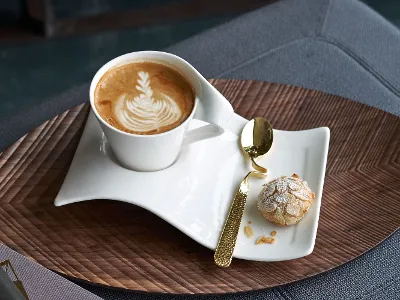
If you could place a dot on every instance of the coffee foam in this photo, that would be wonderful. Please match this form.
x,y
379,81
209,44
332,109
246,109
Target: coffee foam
x,y
144,98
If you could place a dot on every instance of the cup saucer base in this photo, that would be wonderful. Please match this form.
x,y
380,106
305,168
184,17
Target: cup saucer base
x,y
195,193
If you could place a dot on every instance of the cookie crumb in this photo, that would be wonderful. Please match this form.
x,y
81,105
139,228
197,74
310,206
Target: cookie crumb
x,y
273,233
248,231
265,240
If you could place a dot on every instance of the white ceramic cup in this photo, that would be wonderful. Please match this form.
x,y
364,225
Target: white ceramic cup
x,y
159,151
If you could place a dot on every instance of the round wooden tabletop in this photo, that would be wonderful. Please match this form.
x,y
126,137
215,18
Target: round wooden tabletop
x,y
121,245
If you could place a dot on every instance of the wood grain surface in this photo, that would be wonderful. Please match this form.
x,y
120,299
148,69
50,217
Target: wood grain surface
x,y
121,245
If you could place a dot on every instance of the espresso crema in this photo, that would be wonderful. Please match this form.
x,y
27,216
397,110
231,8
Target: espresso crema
x,y
144,98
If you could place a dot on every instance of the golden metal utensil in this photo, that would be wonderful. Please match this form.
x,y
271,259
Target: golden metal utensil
x,y
227,240
256,140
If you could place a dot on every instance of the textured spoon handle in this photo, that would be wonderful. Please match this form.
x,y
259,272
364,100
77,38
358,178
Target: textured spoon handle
x,y
227,240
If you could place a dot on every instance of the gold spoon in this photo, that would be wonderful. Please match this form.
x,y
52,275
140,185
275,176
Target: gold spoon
x,y
256,140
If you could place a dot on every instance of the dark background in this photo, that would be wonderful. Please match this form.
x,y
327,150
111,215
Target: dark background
x,y
47,46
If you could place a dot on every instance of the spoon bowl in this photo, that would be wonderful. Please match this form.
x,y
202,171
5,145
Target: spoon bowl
x,y
256,140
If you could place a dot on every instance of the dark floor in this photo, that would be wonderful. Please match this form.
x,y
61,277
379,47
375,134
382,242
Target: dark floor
x,y
36,70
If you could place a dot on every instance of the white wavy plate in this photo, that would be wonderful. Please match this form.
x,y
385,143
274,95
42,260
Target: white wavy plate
x,y
195,193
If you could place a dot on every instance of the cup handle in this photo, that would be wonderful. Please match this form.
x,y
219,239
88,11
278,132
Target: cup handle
x,y
202,133
213,106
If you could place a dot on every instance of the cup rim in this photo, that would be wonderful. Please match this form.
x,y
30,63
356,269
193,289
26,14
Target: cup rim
x,y
105,66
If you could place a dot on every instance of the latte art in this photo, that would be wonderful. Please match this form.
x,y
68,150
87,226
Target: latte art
x,y
144,98
143,113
